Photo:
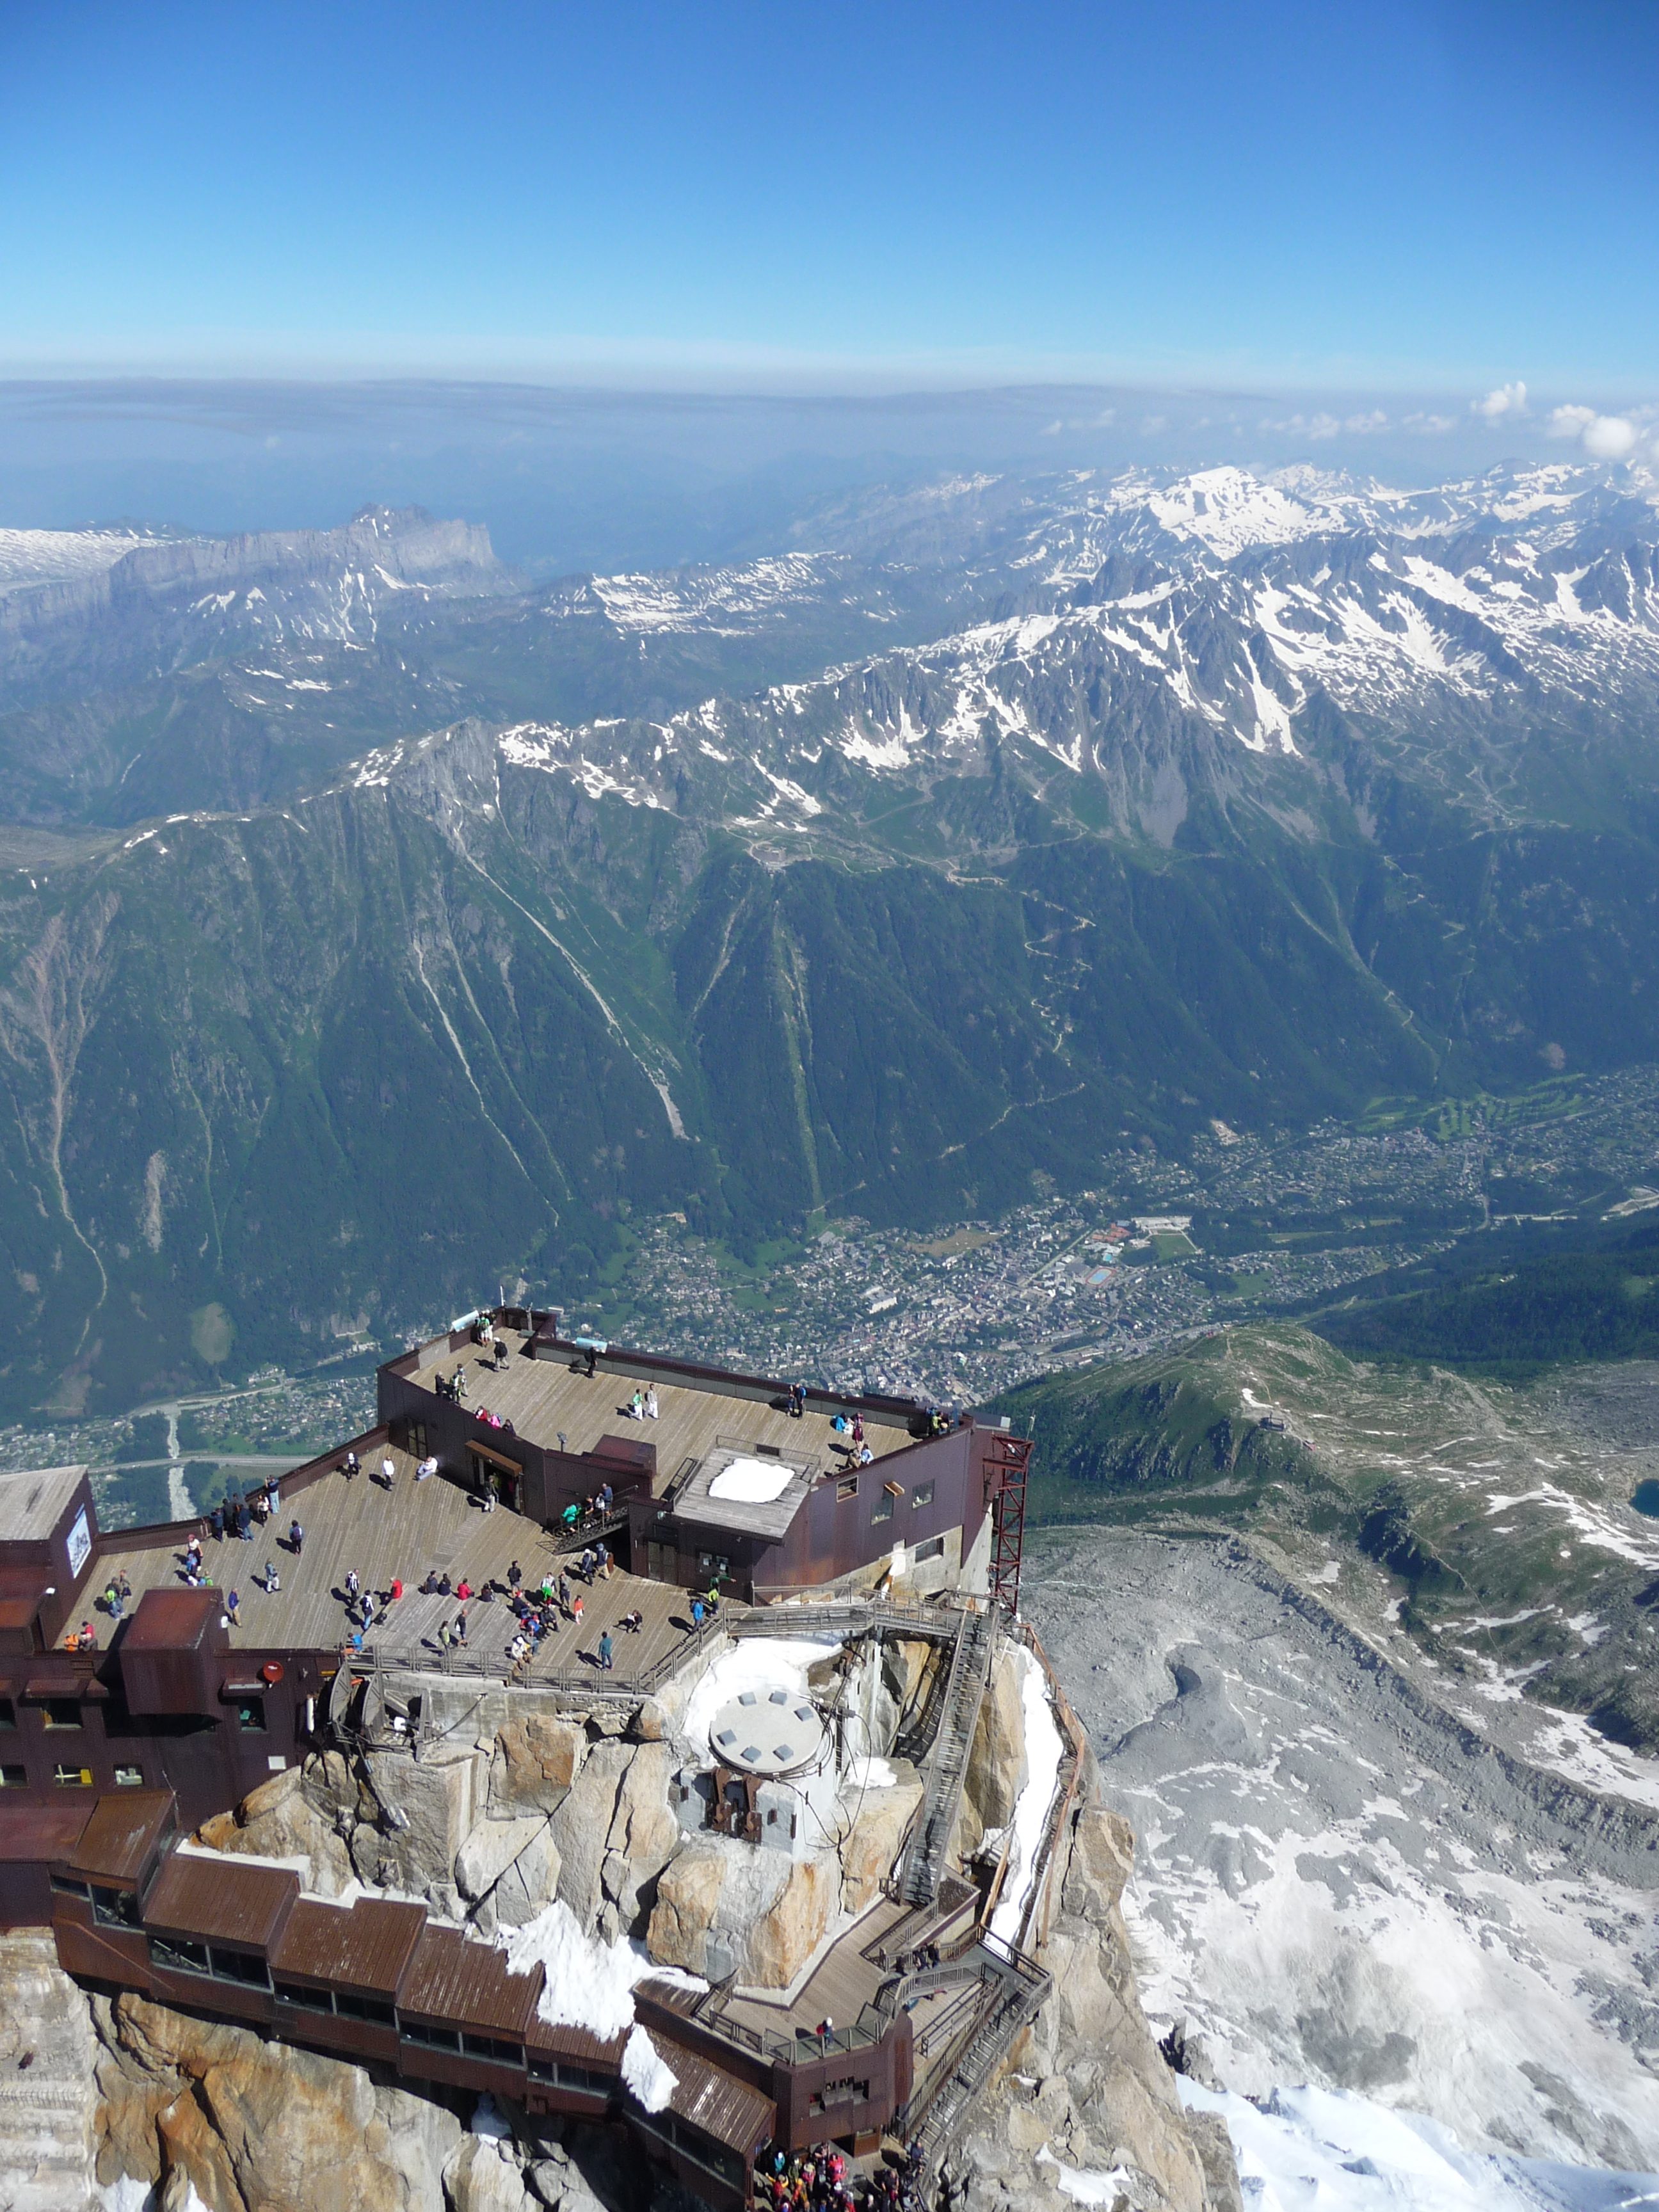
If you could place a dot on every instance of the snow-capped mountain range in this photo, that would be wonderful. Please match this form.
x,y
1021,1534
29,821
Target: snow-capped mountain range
x,y
1135,620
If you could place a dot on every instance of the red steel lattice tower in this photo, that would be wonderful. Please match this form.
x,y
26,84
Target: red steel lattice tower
x,y
1007,1462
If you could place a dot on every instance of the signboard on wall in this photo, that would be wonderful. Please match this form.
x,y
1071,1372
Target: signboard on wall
x,y
79,1542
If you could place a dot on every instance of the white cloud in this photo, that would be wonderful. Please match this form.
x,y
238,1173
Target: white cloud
x,y
1504,403
1430,425
1376,420
1603,437
1609,437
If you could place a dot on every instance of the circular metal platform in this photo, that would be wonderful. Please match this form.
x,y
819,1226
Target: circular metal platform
x,y
767,1731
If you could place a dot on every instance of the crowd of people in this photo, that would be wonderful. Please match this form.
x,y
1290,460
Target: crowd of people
x,y
822,2180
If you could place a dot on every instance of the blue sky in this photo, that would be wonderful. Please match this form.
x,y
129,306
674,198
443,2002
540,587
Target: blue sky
x,y
1291,195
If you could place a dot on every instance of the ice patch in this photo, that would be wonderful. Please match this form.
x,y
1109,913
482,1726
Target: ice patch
x,y
751,1481
1043,1750
1306,2147
647,2072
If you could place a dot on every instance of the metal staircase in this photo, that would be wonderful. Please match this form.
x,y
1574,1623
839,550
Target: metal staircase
x,y
947,1768
1011,1992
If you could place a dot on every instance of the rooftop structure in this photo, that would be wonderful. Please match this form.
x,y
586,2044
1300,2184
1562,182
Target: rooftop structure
x,y
592,1516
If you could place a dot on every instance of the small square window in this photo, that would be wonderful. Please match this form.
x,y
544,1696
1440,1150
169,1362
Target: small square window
x,y
73,1778
250,1714
14,1777
129,1777
846,1485
7,1714
63,1712
922,1495
931,1548
883,1507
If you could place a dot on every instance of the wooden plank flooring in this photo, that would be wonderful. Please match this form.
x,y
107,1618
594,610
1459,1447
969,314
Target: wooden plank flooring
x,y
546,1398
416,1526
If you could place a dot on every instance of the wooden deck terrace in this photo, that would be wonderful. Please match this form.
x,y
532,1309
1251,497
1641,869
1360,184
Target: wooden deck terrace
x,y
355,1523
548,1399
854,1965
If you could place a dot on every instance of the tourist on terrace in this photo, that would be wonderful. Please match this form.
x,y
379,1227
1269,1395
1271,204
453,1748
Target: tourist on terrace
x,y
233,1606
396,1591
650,1406
633,1622
351,1465
607,1650
515,1575
388,1472
428,1467
636,1405
296,1538
273,1580
464,1590
460,1629
217,1523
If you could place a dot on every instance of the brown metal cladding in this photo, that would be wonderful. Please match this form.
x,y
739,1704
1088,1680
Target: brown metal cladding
x,y
223,1900
120,1834
580,2044
40,1832
715,2102
451,1979
364,1946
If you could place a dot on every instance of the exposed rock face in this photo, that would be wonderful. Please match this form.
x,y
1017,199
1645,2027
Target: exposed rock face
x,y
245,2123
874,1841
282,1819
711,1902
1100,2097
996,1764
534,1764
784,1938
47,2090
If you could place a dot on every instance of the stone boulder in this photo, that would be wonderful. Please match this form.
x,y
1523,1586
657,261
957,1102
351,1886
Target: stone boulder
x,y
786,1936
534,1763
687,1905
185,2106
874,1841
492,1846
280,1820
484,2175
996,1764
581,1828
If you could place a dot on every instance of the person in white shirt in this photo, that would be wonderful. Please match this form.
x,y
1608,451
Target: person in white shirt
x,y
388,1470
428,1466
650,1409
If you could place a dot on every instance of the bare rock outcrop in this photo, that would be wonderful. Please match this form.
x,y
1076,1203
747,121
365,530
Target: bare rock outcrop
x,y
284,1819
534,1762
1088,2085
185,2104
47,2053
786,1936
874,1841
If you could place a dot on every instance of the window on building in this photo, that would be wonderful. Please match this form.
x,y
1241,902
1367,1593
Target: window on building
x,y
129,1777
492,2047
932,1547
67,1886
250,1714
14,1777
295,1993
7,1714
115,1908
63,1712
371,2009
72,1777
883,1507
433,2039
240,1966
846,1485
713,1563
922,1495
418,1439
178,1953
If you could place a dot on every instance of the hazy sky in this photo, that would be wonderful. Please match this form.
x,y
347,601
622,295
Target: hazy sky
x,y
1382,195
